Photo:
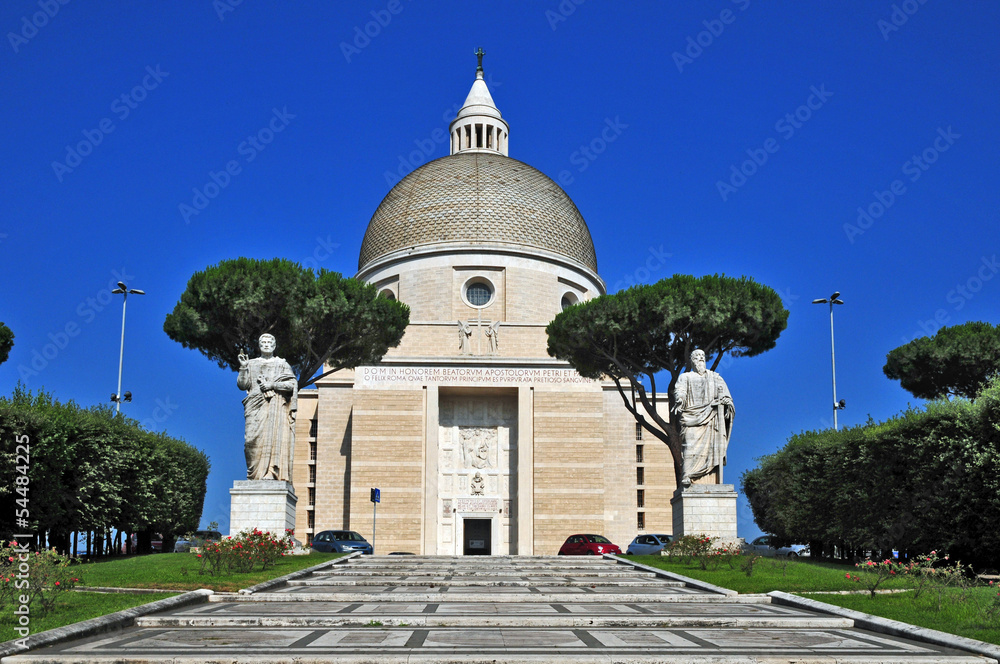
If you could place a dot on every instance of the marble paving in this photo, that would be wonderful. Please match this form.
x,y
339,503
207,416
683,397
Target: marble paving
x,y
500,609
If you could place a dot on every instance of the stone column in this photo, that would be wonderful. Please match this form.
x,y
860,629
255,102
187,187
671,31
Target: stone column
x,y
705,509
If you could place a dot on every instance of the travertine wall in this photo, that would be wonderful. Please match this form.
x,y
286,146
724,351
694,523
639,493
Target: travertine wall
x,y
305,431
333,452
387,451
569,466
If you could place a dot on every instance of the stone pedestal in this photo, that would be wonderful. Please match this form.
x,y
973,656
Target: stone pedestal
x,y
706,509
265,504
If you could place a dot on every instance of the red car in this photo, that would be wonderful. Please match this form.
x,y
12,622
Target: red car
x,y
588,545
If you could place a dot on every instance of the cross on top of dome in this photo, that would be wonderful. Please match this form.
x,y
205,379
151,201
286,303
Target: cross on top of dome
x,y
479,126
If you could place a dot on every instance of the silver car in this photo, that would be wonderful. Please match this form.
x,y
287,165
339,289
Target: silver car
x,y
649,545
765,547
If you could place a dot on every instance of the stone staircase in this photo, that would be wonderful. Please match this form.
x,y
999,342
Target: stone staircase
x,y
390,609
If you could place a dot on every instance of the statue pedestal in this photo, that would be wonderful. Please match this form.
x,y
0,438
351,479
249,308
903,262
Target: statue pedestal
x,y
265,504
705,509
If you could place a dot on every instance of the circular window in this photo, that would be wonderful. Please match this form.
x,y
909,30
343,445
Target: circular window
x,y
568,300
478,292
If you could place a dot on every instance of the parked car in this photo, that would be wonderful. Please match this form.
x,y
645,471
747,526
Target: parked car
x,y
649,545
340,541
156,543
764,545
199,538
588,545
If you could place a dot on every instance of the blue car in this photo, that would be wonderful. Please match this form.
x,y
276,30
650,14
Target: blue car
x,y
340,541
648,545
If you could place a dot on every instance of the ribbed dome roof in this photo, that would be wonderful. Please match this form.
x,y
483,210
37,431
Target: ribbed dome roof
x,y
478,198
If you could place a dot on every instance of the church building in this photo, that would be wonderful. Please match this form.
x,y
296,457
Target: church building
x,y
478,440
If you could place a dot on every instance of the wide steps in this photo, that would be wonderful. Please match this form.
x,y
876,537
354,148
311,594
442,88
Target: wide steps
x,y
502,610
464,582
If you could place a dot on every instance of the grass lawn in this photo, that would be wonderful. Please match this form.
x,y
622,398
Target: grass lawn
x,y
792,576
179,571
73,607
958,614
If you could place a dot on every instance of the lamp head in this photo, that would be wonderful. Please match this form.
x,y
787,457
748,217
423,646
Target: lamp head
x,y
835,295
136,291
820,301
838,301
121,284
118,290
128,396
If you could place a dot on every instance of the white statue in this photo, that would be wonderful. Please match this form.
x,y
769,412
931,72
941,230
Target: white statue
x,y
493,337
464,334
269,409
705,407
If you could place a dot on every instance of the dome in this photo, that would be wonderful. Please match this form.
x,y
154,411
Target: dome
x,y
475,198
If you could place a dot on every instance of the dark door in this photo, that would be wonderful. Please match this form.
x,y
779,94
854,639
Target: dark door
x,y
477,536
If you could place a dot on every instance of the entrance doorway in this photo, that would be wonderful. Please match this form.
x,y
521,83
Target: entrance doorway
x,y
477,538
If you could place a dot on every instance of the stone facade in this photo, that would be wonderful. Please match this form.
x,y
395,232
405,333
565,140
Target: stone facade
x,y
478,440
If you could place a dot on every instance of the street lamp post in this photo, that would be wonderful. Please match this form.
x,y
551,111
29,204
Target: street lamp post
x,y
118,397
837,405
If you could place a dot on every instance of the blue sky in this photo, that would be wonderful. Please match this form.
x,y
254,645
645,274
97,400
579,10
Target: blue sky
x,y
747,136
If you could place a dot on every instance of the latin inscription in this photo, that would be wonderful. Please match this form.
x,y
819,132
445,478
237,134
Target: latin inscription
x,y
371,376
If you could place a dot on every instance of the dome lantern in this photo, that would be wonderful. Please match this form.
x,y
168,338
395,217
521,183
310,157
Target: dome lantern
x,y
478,127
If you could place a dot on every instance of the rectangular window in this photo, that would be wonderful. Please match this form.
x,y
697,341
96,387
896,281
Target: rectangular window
x,y
640,498
312,518
468,136
479,135
312,496
638,453
489,136
312,474
640,475
638,431
640,521
312,450
313,426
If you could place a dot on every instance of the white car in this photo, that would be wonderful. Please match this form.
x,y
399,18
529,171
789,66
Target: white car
x,y
763,545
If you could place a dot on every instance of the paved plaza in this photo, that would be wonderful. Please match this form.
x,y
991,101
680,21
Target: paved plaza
x,y
490,609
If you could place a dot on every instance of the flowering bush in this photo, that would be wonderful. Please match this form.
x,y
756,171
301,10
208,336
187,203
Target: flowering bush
x,y
39,576
871,574
692,546
251,549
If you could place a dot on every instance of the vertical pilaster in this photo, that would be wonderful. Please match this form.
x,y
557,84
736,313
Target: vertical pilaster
x,y
431,510
525,500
